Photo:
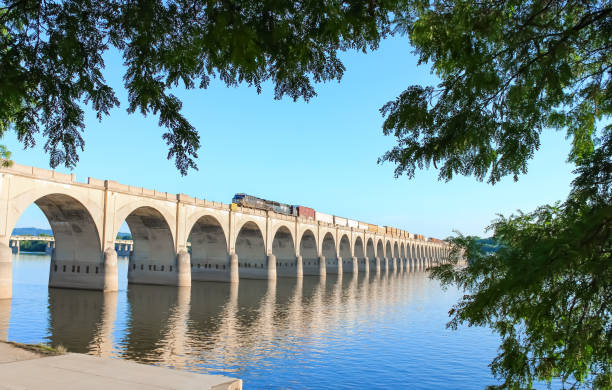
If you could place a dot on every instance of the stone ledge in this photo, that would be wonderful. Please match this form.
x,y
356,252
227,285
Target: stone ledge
x,y
78,371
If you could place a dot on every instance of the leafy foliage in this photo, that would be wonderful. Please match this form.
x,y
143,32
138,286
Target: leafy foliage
x,y
33,246
5,157
548,289
508,70
51,58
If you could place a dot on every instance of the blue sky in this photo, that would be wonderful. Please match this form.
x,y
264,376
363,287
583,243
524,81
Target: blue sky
x,y
321,154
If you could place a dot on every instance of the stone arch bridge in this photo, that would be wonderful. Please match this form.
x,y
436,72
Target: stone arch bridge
x,y
225,244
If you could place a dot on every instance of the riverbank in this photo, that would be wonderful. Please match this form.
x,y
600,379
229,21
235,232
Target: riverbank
x,y
26,366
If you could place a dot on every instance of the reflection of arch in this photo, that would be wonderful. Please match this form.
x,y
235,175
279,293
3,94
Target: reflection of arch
x,y
76,261
284,250
82,321
251,252
209,256
153,260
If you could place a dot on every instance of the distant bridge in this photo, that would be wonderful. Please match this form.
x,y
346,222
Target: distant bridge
x,y
123,247
226,244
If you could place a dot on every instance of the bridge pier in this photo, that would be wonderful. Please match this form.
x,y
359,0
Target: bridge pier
x,y
234,272
183,269
355,265
111,276
322,267
16,246
6,271
377,264
299,265
271,267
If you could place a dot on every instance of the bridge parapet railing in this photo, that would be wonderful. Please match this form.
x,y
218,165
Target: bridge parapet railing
x,y
31,238
39,173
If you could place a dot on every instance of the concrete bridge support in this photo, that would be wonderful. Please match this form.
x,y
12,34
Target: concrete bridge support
x,y
354,265
50,246
234,276
299,267
6,271
322,267
271,263
15,245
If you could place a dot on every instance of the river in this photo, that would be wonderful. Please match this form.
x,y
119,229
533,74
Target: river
x,y
385,331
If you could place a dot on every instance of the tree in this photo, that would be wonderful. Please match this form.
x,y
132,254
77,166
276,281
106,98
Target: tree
x,y
51,58
508,71
548,289
5,157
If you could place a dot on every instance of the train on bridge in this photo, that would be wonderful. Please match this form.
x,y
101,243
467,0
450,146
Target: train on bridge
x,y
254,202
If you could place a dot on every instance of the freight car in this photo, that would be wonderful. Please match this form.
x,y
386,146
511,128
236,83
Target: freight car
x,y
305,212
322,217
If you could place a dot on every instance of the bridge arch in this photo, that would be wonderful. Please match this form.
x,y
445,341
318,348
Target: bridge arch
x,y
380,249
396,252
359,253
309,253
411,254
251,251
209,254
328,249
153,259
284,250
370,252
77,260
285,227
344,249
388,252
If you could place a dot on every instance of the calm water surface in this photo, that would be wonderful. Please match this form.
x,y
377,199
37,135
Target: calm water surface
x,y
365,332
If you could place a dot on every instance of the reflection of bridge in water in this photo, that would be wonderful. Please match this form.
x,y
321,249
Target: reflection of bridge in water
x,y
226,245
220,326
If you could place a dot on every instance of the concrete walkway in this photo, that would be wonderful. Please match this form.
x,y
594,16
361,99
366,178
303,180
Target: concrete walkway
x,y
20,369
